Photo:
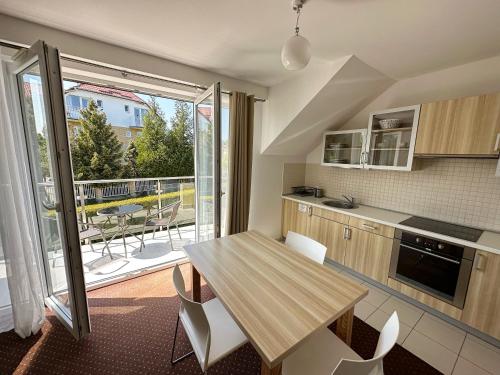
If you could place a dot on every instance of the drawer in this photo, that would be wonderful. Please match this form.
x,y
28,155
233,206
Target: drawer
x,y
330,215
372,227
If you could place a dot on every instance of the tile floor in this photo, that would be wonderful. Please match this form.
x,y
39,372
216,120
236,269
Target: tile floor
x,y
442,345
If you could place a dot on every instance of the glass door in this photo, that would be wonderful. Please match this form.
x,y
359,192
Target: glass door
x,y
41,96
344,148
207,130
391,140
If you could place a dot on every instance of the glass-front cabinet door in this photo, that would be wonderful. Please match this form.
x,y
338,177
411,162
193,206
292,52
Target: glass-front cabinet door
x,y
391,139
344,148
40,91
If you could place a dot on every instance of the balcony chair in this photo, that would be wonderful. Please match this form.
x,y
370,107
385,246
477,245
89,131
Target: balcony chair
x,y
168,217
211,330
325,354
89,230
306,246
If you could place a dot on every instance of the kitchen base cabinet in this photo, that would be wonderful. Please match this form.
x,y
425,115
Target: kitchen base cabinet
x,y
295,217
331,234
369,254
426,299
482,304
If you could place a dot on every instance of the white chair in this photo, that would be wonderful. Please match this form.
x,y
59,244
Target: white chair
x,y
169,218
325,354
306,246
211,330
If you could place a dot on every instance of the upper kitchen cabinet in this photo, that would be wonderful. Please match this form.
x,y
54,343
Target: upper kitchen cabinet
x,y
344,148
391,138
387,143
464,127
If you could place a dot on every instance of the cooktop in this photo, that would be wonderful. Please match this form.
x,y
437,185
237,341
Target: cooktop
x,y
441,227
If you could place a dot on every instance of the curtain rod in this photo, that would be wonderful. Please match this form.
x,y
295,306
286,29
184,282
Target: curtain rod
x,y
122,71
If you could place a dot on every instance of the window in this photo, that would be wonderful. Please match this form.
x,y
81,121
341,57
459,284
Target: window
x,y
139,114
85,102
99,103
139,134
76,131
127,108
128,134
73,101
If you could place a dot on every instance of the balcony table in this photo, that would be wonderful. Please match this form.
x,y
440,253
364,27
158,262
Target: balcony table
x,y
277,296
121,213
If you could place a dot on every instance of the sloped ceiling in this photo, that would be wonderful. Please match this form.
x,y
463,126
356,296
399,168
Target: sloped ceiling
x,y
323,97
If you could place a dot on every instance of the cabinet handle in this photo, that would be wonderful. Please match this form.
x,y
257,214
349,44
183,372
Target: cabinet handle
x,y
368,226
310,210
347,233
481,261
497,144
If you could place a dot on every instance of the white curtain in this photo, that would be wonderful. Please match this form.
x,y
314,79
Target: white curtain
x,y
17,230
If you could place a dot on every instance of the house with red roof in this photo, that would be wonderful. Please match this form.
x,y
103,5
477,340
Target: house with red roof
x,y
124,110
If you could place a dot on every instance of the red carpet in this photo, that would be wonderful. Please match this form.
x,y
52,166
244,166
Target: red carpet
x,y
132,331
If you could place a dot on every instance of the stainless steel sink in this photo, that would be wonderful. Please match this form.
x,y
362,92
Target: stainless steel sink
x,y
340,204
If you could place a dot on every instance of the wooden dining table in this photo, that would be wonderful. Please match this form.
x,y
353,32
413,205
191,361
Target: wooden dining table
x,y
277,296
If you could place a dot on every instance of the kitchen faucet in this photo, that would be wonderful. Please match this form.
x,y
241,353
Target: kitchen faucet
x,y
349,199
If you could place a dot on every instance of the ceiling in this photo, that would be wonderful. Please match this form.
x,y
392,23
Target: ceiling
x,y
243,39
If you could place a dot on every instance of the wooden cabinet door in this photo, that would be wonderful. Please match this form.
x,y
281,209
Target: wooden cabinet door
x,y
465,126
295,218
331,234
482,305
369,254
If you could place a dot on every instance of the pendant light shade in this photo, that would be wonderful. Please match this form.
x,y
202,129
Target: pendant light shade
x,y
296,53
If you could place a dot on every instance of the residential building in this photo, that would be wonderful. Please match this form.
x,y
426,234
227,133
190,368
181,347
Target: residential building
x,y
124,110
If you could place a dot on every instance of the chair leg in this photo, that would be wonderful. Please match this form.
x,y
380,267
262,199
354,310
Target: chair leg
x,y
142,238
106,246
91,245
172,360
178,231
170,237
154,231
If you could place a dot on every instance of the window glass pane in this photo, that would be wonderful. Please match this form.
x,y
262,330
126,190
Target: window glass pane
x,y
73,101
137,116
85,102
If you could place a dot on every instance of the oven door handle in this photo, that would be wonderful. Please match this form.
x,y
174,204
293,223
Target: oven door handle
x,y
430,254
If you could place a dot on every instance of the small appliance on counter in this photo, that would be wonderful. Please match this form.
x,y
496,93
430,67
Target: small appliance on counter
x,y
303,191
318,192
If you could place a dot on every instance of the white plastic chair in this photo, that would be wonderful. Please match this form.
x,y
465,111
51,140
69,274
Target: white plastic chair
x,y
211,330
326,354
306,246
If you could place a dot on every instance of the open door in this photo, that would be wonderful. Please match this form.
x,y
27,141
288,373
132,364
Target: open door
x,y
207,131
40,88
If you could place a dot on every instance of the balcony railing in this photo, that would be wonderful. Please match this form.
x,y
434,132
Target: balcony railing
x,y
151,193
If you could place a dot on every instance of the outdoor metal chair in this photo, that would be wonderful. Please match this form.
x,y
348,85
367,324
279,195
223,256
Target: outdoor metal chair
x,y
89,230
164,217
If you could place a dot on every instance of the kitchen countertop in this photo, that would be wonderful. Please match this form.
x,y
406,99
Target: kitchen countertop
x,y
489,241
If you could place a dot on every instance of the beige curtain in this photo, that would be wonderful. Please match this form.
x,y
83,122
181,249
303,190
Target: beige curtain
x,y
240,161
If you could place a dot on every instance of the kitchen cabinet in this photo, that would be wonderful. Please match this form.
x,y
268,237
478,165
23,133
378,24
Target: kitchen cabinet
x,y
331,234
464,127
375,147
369,254
344,148
295,217
482,304
372,227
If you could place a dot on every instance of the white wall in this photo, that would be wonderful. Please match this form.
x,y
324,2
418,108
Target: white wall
x,y
475,78
267,174
113,107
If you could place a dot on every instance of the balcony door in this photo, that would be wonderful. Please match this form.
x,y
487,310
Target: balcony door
x,y
40,89
207,129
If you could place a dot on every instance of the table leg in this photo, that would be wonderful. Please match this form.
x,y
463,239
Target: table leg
x,y
265,370
195,284
344,326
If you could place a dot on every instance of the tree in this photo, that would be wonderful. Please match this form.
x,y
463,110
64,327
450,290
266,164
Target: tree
x,y
44,156
152,159
181,141
130,168
96,150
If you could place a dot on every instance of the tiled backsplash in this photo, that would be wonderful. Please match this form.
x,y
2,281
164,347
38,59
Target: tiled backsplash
x,y
462,191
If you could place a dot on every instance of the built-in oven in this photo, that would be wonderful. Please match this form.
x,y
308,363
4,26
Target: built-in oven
x,y
436,267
